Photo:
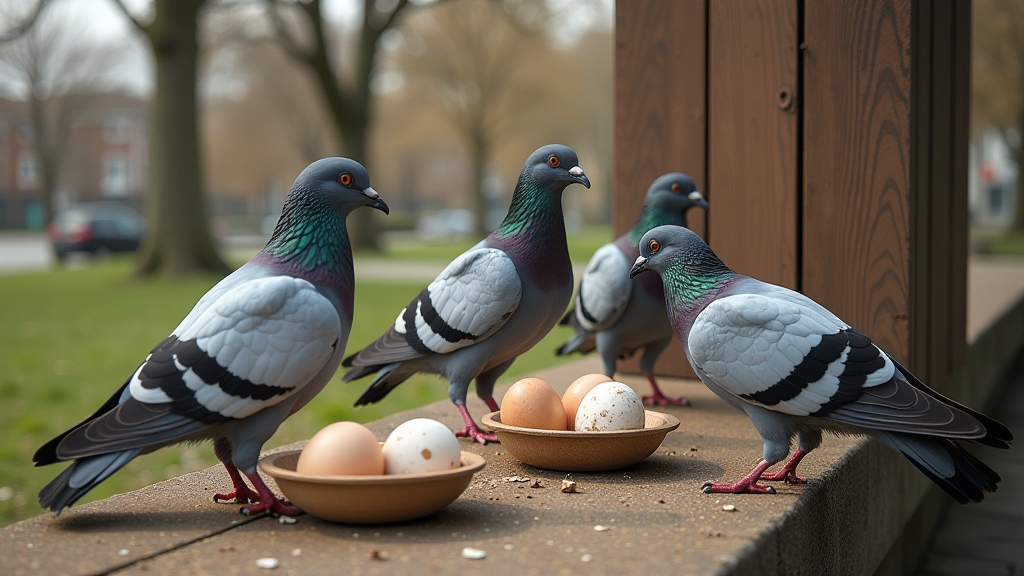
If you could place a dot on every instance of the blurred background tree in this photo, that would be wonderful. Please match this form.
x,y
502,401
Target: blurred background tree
x,y
178,240
997,69
470,59
60,72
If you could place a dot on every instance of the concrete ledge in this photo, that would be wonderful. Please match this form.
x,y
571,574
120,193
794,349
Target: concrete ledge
x,y
864,510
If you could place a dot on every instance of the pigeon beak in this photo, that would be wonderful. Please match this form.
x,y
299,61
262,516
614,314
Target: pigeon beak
x,y
639,266
577,174
376,201
698,200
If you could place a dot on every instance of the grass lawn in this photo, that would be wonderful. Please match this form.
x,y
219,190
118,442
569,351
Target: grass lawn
x,y
582,245
1010,244
70,338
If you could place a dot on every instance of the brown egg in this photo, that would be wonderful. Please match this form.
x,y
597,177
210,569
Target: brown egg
x,y
575,393
533,403
342,449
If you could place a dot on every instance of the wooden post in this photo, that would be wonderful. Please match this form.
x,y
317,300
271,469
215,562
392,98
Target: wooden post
x,y
836,141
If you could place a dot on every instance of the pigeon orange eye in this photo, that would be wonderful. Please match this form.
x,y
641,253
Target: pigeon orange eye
x,y
345,179
654,246
553,160
676,188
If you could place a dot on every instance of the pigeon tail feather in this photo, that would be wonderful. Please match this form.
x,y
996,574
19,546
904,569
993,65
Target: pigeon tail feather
x,y
81,477
581,343
945,463
47,453
385,382
997,435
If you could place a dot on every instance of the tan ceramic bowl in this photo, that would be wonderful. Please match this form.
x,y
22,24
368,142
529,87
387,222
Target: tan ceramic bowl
x,y
370,499
583,451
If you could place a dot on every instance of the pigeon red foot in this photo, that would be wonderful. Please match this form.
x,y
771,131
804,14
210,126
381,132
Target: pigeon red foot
x,y
471,430
242,494
659,399
268,502
788,470
748,485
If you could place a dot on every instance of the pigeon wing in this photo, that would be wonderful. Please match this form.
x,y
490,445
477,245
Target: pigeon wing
x,y
256,345
604,289
469,301
780,353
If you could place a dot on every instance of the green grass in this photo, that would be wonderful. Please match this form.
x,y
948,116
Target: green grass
x,y
1010,244
582,246
70,338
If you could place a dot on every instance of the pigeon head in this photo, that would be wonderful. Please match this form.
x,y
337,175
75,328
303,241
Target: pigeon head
x,y
674,192
341,183
553,167
678,248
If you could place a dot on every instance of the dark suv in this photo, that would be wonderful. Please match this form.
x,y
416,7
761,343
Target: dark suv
x,y
100,228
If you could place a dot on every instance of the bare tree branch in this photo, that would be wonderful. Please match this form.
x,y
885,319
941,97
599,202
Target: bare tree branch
x,y
20,30
119,4
284,37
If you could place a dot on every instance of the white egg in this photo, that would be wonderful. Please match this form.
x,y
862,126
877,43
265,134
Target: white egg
x,y
610,406
421,445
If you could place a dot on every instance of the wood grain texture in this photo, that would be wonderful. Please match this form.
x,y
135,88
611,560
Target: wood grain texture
x,y
659,113
752,141
856,169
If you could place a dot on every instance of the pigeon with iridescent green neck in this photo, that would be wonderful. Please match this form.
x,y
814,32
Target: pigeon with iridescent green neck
x,y
255,349
798,370
489,305
617,315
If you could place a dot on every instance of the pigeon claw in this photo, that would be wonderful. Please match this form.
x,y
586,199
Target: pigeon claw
x,y
747,485
477,435
240,495
658,399
741,487
787,476
275,508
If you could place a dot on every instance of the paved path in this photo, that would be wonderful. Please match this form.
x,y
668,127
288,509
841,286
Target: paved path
x,y
988,538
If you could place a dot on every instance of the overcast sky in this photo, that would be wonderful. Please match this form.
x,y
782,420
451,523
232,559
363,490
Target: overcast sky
x,y
101,22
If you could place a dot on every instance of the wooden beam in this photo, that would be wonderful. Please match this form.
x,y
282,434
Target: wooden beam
x,y
660,107
752,137
856,168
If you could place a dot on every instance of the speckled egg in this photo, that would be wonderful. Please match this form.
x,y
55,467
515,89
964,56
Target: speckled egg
x,y
610,406
342,449
421,445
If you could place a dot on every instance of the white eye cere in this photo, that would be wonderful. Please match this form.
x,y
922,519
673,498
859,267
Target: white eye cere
x,y
371,193
695,195
575,171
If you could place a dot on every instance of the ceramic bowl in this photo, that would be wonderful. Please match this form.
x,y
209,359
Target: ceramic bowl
x,y
583,451
370,499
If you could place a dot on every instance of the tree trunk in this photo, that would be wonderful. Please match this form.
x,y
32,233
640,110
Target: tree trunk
x,y
44,156
363,225
177,240
478,154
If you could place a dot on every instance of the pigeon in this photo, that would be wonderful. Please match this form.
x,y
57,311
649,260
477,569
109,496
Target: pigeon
x,y
491,304
798,370
609,314
254,350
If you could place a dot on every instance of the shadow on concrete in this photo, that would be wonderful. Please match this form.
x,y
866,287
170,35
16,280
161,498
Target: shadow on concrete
x,y
208,519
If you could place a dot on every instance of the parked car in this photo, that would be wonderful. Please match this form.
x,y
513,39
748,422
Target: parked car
x,y
100,228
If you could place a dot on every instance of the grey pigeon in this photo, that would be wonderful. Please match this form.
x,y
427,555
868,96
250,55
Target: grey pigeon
x,y
491,304
613,317
797,369
255,349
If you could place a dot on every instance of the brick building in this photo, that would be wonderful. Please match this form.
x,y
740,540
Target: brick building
x,y
104,156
